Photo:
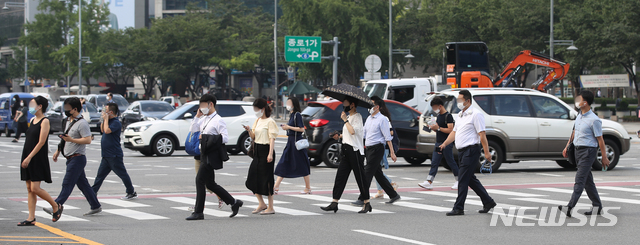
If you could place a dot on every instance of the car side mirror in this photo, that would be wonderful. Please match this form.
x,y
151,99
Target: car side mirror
x,y
187,115
135,109
573,115
413,122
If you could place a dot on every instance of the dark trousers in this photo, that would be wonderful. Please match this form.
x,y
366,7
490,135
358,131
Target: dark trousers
x,y
584,179
437,156
115,164
469,158
21,127
206,178
75,176
350,160
375,154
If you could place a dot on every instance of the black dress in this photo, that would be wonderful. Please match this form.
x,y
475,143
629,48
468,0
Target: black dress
x,y
293,163
38,169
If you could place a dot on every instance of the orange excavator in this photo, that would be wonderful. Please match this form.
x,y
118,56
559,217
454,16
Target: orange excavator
x,y
468,76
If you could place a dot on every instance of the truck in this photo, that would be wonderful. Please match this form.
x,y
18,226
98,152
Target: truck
x,y
409,91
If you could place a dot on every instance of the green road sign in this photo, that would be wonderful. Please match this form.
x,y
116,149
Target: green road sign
x,y
302,49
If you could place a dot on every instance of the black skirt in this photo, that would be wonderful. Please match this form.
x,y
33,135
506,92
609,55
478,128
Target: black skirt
x,y
260,177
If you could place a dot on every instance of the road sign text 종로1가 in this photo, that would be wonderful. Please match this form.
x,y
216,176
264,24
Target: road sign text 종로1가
x,y
302,49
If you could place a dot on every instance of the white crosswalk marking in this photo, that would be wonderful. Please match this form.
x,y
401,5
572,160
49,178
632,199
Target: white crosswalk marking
x,y
212,212
288,211
44,204
548,201
134,214
254,199
501,208
622,200
186,200
319,198
421,206
513,193
565,191
2,209
355,209
63,218
615,188
443,194
123,204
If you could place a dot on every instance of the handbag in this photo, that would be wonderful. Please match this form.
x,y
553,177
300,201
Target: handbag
x,y
571,150
252,148
192,145
303,143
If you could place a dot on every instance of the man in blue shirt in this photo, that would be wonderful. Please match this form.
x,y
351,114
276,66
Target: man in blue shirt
x,y
112,155
586,137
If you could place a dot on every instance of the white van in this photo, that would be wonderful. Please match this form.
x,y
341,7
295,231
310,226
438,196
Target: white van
x,y
410,91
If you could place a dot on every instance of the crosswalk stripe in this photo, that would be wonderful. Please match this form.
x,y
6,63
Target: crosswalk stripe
x,y
565,191
548,201
63,218
615,188
355,209
501,206
622,200
134,214
318,198
2,209
186,200
513,193
212,212
123,204
44,204
288,211
442,193
254,199
421,206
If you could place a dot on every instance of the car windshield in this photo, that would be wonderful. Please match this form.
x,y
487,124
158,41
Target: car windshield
x,y
312,109
156,107
102,99
91,108
375,89
177,113
449,105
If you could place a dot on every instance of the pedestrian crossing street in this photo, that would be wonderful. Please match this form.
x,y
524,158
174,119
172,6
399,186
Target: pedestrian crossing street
x,y
163,207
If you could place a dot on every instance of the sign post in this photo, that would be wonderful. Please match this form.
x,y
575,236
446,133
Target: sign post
x,y
309,50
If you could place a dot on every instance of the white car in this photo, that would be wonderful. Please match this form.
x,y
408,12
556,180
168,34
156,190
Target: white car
x,y
523,124
163,137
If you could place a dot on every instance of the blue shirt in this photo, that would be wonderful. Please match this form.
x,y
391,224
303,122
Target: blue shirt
x,y
587,128
111,142
376,130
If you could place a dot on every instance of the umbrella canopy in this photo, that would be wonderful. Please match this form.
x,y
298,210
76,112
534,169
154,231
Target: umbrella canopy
x,y
343,90
302,88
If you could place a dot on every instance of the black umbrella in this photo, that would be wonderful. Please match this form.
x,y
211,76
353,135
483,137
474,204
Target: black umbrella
x,y
343,90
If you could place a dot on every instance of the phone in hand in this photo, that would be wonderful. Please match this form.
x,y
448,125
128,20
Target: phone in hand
x,y
62,135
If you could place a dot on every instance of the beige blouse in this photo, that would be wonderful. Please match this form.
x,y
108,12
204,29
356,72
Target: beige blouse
x,y
265,129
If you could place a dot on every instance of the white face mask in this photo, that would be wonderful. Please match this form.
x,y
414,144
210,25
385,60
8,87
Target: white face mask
x,y
289,108
372,110
259,113
437,111
205,110
461,105
578,105
21,103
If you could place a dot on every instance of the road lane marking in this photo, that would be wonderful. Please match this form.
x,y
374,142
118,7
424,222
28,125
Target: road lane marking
x,y
401,239
123,203
289,211
499,206
44,204
513,193
66,235
552,175
255,199
442,193
227,174
212,212
421,206
134,214
548,201
63,218
615,188
558,190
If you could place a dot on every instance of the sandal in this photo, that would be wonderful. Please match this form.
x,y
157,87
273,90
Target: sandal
x,y
380,194
58,214
28,223
306,191
275,190
257,211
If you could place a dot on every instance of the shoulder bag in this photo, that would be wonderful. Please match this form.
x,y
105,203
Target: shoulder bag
x,y
303,143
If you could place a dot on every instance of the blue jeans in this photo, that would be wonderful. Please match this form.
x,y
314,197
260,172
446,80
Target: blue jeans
x,y
385,164
115,164
447,153
75,176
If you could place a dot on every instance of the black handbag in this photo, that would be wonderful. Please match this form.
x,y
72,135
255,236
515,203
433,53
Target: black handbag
x,y
252,148
571,149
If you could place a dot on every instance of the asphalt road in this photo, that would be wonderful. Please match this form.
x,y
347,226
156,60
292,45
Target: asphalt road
x,y
166,189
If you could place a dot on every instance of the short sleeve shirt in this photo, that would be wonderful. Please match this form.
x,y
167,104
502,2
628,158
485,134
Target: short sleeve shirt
x,y
588,128
264,130
25,114
469,124
79,130
443,122
110,143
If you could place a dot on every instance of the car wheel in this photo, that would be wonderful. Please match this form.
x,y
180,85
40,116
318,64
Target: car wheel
x,y
244,143
566,164
163,145
147,153
497,156
613,153
7,131
331,153
415,160
315,161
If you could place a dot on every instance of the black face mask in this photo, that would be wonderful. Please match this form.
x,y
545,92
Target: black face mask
x,y
347,108
67,113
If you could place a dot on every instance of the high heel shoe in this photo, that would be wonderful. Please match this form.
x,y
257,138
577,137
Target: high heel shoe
x,y
367,208
306,191
332,207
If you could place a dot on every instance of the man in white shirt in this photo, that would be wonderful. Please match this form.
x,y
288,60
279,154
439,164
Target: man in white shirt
x,y
210,123
468,133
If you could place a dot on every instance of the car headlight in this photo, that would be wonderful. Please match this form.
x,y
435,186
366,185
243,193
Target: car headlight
x,y
138,128
149,118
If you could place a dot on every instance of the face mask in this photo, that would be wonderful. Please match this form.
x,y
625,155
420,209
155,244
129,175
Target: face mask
x,y
67,113
578,105
259,113
347,108
289,108
372,110
437,111
32,110
461,105
21,103
205,110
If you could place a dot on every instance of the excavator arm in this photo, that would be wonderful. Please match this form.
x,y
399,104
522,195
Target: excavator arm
x,y
558,70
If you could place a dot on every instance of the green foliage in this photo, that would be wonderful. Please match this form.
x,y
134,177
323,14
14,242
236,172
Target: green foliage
x,y
623,106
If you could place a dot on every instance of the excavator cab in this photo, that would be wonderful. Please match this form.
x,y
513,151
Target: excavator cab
x,y
467,65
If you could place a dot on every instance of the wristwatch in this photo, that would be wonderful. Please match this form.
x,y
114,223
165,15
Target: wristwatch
x,y
438,129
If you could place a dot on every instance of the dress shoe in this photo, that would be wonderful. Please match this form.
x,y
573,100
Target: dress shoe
x,y
396,198
567,209
590,212
234,209
195,216
358,203
366,209
486,209
455,212
332,207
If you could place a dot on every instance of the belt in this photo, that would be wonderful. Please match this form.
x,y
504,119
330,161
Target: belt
x,y
72,156
467,147
580,147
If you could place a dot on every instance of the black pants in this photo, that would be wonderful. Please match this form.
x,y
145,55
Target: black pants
x,y
375,154
21,127
350,160
206,177
468,158
585,157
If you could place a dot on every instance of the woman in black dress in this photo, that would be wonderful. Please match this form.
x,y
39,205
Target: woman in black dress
x,y
35,161
293,163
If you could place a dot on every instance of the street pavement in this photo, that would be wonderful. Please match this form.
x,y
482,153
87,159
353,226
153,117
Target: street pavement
x,y
166,190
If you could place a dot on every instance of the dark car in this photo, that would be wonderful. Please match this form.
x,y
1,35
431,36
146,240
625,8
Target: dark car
x,y
228,93
6,102
145,110
56,117
321,118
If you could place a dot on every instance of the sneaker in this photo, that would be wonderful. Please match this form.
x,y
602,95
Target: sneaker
x,y
93,211
358,203
455,186
427,185
130,196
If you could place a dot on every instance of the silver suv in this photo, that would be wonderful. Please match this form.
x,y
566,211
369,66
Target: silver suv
x,y
524,124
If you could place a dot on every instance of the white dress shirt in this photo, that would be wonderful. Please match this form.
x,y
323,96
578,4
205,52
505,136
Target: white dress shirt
x,y
212,125
355,140
467,127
